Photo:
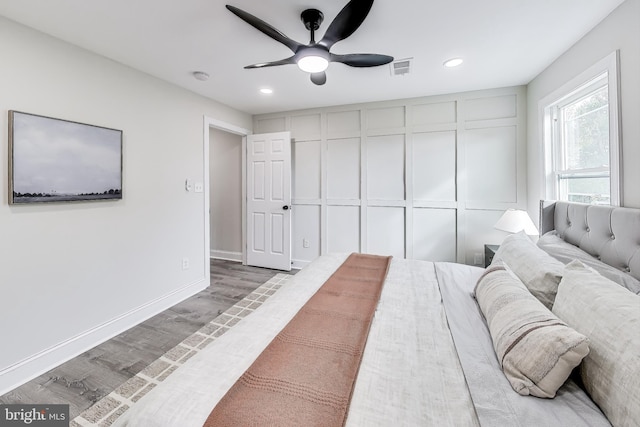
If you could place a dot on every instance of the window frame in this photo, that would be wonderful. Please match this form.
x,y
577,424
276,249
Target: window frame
x,y
567,93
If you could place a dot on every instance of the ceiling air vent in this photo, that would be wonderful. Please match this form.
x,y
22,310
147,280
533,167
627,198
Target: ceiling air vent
x,y
401,67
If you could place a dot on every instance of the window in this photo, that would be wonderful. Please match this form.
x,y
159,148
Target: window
x,y
581,137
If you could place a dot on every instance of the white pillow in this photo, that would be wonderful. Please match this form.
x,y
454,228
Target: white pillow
x,y
539,271
609,315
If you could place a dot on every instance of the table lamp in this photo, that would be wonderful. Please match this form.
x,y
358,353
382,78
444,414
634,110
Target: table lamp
x,y
515,220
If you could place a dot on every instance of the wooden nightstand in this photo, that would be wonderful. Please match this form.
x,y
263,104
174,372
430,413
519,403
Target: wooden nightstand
x,y
489,252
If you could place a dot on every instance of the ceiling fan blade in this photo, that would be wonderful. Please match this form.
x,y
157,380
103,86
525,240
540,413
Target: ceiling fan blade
x,y
319,78
286,61
267,29
362,59
346,22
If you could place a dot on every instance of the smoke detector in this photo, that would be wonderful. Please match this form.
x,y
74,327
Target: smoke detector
x,y
201,75
401,67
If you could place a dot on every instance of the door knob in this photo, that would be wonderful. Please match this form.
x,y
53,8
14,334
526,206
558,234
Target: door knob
x,y
285,207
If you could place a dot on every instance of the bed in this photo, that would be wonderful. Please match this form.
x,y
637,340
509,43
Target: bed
x,y
430,357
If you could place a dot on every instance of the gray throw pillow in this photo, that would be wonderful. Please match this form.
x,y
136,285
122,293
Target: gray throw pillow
x,y
540,272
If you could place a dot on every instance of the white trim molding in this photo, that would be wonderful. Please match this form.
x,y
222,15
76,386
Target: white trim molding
x,y
298,264
610,66
226,255
27,369
209,123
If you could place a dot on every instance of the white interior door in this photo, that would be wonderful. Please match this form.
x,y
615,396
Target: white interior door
x,y
269,200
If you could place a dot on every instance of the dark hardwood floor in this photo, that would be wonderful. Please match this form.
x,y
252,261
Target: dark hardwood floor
x,y
94,374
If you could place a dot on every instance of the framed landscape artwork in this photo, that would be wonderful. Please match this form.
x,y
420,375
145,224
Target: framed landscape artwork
x,y
54,160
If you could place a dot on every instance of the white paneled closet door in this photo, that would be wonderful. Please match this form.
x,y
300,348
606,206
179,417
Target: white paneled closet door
x,y
269,200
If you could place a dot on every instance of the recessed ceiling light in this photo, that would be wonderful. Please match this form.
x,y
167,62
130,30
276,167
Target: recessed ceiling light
x,y
201,75
266,91
454,62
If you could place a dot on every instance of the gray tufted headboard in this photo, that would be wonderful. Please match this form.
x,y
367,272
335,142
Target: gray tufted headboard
x,y
611,234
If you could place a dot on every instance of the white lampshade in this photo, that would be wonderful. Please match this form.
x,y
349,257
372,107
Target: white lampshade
x,y
513,221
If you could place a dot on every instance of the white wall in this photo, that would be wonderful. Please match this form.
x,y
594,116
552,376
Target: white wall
x,y
225,186
422,178
75,274
620,30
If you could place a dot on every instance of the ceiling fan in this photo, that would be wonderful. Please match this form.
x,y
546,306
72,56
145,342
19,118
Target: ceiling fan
x,y
314,58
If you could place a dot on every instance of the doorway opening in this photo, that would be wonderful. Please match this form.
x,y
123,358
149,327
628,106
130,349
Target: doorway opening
x,y
224,178
226,209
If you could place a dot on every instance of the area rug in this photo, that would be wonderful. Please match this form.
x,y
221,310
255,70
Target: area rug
x,y
107,410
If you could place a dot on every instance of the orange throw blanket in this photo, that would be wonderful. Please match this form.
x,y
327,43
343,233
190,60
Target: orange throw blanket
x,y
306,375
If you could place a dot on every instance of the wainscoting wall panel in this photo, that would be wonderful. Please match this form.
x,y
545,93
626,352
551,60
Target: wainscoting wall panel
x,y
434,166
308,126
385,118
385,230
434,234
343,122
343,229
305,228
423,178
343,169
434,113
276,124
306,170
385,167
491,179
491,107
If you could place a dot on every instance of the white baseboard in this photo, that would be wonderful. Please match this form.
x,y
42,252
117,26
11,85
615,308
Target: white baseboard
x,y
299,264
226,255
39,363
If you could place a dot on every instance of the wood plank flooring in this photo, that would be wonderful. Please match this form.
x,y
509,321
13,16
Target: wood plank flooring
x,y
89,377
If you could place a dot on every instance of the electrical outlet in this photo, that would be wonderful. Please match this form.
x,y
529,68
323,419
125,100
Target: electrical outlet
x,y
478,259
185,263
305,243
198,187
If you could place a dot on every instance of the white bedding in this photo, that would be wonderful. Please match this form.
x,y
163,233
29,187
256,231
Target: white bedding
x,y
495,401
419,367
410,374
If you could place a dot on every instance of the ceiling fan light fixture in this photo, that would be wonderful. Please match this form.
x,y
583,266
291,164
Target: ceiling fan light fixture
x,y
313,64
314,57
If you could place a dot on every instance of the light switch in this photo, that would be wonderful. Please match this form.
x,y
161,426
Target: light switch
x,y
188,185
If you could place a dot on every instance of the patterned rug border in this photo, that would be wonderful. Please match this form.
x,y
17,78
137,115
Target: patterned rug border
x,y
107,410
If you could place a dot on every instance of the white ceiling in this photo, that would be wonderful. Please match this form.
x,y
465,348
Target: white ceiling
x,y
503,43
